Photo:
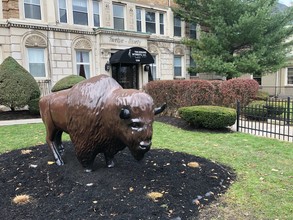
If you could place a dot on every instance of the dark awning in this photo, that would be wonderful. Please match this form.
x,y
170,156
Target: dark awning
x,y
132,56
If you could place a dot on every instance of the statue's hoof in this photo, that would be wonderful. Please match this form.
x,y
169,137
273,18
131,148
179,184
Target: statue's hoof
x,y
59,162
110,164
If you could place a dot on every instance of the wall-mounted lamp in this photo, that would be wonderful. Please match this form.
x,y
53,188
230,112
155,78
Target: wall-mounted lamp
x,y
147,68
107,66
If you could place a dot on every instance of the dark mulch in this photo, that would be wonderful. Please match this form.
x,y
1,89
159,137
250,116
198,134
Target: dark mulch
x,y
68,192
20,114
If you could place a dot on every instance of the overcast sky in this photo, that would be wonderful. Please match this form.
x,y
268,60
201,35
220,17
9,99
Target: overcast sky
x,y
286,2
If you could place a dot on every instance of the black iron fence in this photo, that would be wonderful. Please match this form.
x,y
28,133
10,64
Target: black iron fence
x,y
271,118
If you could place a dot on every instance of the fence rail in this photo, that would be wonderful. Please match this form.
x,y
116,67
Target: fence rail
x,y
271,118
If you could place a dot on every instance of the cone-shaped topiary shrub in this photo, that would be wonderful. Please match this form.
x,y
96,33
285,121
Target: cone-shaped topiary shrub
x,y
67,82
207,116
17,85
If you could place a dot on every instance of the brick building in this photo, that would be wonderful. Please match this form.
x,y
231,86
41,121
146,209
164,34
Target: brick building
x,y
133,41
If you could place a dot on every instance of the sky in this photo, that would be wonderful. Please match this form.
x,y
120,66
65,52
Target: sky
x,y
286,2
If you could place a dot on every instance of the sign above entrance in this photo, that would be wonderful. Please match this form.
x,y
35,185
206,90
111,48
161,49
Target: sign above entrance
x,y
134,55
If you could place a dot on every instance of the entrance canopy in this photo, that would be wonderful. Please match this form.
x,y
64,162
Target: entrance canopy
x,y
134,55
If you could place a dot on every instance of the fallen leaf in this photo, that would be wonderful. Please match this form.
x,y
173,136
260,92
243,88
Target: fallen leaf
x,y
131,189
50,162
193,164
21,199
154,196
26,151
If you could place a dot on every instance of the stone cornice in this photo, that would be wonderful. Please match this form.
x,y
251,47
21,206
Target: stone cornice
x,y
10,24
121,32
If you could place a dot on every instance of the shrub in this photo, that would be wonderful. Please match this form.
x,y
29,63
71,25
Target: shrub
x,y
33,105
67,82
232,90
212,117
179,93
260,95
17,85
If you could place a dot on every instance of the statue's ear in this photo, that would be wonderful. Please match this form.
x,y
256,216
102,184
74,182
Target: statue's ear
x,y
125,113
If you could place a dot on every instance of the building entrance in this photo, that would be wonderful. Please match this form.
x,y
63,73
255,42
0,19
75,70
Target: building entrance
x,y
126,65
126,75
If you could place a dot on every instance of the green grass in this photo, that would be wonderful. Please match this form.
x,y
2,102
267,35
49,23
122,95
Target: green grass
x,y
264,185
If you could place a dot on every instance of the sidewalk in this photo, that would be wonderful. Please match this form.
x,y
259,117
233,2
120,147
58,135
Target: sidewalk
x,y
21,121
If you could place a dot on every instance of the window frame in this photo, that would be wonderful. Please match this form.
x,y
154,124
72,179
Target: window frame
x,y
289,75
99,12
139,11
84,63
119,18
153,23
66,12
180,57
81,12
175,27
32,4
44,62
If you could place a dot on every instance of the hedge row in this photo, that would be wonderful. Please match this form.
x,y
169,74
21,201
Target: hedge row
x,y
181,93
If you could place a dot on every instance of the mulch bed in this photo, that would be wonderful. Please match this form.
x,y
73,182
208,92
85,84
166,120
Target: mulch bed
x,y
20,114
164,185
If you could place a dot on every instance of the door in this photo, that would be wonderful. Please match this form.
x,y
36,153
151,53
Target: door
x,y
126,75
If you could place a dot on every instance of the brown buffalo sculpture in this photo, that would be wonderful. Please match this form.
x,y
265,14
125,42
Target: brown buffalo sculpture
x,y
100,117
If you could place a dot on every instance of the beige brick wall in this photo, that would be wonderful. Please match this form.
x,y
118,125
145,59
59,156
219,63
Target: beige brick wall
x,y
10,9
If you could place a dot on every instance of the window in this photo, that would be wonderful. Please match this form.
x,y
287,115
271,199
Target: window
x,y
138,20
177,66
118,14
150,22
83,63
177,26
161,23
80,15
32,9
290,75
96,8
192,31
36,57
62,11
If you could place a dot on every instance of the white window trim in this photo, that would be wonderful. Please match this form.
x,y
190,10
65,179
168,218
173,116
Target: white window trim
x,y
22,15
124,15
45,61
67,12
76,63
89,13
287,68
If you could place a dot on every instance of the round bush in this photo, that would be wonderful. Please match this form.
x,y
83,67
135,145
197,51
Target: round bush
x,y
206,116
33,105
17,85
67,82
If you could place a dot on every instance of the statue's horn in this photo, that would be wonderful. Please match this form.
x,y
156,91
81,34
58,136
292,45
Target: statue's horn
x,y
124,113
160,109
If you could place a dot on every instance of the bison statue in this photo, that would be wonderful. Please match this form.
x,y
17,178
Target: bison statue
x,y
100,117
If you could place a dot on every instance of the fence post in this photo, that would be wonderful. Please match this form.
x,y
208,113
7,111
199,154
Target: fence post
x,y
288,110
238,115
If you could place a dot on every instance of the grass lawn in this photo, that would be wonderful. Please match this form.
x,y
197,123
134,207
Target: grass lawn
x,y
264,186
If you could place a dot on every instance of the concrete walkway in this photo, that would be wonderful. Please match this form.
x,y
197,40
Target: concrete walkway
x,y
19,122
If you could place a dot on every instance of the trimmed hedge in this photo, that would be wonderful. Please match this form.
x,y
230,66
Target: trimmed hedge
x,y
33,105
181,93
211,117
17,85
67,82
